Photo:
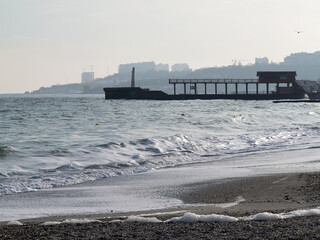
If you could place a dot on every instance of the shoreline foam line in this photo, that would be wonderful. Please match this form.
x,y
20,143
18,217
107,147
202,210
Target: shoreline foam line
x,y
190,217
298,191
264,216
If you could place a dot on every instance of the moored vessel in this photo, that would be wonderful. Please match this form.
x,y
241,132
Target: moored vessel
x,y
270,85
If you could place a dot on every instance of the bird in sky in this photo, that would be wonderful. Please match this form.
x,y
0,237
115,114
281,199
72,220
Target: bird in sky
x,y
298,31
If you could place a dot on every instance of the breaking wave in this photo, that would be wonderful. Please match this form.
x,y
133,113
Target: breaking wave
x,y
76,165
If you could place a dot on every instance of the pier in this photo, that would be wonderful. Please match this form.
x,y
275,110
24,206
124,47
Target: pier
x,y
276,83
194,83
268,86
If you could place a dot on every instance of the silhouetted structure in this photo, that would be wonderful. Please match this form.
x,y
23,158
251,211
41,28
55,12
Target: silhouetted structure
x,y
288,78
283,85
132,78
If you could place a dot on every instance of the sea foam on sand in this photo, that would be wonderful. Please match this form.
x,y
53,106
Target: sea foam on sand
x,y
70,221
265,216
17,223
142,219
193,218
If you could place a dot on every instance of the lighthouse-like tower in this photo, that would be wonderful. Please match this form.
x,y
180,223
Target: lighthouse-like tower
x,y
132,79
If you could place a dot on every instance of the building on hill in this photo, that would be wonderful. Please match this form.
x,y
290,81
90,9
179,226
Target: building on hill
x,y
303,58
261,61
162,67
139,67
180,67
87,77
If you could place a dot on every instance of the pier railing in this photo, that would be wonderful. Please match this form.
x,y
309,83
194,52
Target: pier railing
x,y
230,85
218,80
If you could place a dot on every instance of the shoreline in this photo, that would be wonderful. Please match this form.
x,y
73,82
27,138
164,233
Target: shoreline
x,y
271,193
278,193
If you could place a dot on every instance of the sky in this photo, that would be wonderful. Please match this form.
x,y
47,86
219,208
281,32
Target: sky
x,y
48,42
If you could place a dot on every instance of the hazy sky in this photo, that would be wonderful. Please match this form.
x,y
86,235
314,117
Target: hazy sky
x,y
46,42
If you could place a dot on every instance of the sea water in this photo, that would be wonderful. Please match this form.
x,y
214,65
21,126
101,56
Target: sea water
x,y
50,141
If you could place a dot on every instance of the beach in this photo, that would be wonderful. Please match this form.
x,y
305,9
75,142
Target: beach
x,y
80,167
280,194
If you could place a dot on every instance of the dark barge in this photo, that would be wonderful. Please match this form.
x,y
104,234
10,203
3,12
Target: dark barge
x,y
268,86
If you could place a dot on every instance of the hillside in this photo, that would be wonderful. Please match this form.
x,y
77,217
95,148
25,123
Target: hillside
x,y
307,66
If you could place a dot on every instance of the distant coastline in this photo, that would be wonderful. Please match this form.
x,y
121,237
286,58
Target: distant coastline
x,y
305,64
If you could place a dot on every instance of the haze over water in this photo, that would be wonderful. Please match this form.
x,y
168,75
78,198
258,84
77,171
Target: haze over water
x,y
45,43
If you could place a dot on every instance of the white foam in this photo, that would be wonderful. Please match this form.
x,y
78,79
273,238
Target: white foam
x,y
50,223
192,218
142,219
28,189
217,218
95,162
84,220
187,218
238,200
17,223
264,216
267,216
161,213
115,221
305,213
70,221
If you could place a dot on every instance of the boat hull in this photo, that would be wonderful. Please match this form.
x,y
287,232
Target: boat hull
x,y
141,94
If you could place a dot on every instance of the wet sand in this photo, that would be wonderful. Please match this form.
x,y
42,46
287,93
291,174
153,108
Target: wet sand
x,y
276,193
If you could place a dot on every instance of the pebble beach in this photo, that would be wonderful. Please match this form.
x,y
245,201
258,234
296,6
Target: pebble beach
x,y
288,202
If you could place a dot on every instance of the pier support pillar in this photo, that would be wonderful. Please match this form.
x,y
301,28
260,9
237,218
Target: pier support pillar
x,y
185,88
277,87
267,85
205,89
236,85
226,86
216,88
257,87
247,92
174,89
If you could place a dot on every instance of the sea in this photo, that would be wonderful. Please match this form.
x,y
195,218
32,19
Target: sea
x,y
60,141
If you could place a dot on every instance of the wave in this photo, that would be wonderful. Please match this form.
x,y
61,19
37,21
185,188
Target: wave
x,y
75,165
5,151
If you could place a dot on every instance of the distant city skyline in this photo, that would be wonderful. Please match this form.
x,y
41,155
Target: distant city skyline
x,y
44,42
